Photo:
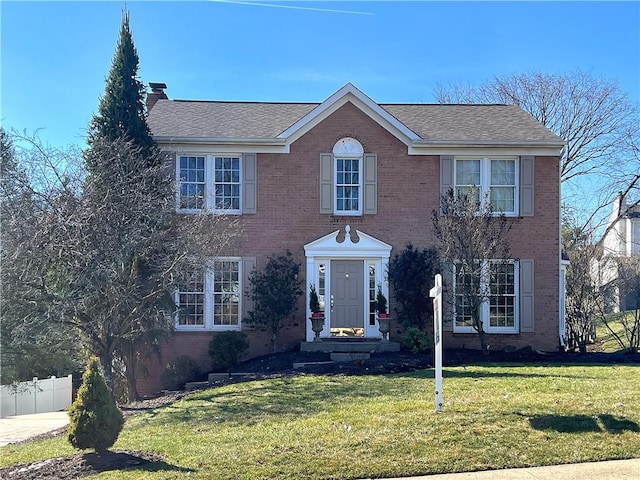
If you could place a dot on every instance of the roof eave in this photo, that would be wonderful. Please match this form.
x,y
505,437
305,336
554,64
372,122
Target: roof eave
x,y
271,142
486,147
349,93
487,143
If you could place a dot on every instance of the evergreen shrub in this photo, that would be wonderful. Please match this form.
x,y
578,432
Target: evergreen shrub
x,y
226,349
415,340
95,421
183,369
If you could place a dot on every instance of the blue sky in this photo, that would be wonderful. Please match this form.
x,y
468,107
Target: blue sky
x,y
56,55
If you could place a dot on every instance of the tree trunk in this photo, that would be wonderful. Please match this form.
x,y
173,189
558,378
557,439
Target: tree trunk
x,y
131,372
479,327
106,360
483,341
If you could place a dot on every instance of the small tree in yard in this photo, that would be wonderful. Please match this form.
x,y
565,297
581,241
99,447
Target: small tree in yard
x,y
473,241
95,419
411,274
585,298
627,285
275,292
226,349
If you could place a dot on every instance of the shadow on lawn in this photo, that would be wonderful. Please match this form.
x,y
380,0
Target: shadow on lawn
x,y
583,423
81,465
124,460
448,373
249,403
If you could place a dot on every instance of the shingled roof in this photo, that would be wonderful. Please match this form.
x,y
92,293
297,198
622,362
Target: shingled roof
x,y
435,123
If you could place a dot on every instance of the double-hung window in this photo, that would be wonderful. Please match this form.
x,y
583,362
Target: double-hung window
x,y
209,297
209,182
191,183
348,180
348,186
493,291
492,179
190,299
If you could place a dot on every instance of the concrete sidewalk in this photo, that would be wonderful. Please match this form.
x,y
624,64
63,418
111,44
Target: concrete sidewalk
x,y
610,470
22,427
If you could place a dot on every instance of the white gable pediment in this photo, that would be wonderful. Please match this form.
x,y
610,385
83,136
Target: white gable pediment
x,y
349,93
366,246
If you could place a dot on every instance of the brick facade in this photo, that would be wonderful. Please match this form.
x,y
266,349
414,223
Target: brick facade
x,y
408,191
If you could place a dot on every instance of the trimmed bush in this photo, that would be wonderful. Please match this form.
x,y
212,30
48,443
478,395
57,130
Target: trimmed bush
x,y
411,274
226,349
415,340
95,421
184,369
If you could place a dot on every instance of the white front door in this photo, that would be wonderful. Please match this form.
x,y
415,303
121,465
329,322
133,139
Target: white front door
x,y
347,298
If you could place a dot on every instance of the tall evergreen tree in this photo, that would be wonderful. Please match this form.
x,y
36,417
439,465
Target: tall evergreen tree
x,y
121,113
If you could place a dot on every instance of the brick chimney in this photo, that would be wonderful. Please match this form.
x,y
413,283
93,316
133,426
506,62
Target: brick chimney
x,y
157,93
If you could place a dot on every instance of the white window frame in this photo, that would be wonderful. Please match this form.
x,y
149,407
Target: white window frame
x,y
348,148
485,310
336,185
209,292
210,185
179,292
484,188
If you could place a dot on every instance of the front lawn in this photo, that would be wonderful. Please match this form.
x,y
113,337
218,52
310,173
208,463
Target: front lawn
x,y
315,427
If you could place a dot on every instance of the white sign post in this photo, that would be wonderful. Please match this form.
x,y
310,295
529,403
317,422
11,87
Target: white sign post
x,y
436,293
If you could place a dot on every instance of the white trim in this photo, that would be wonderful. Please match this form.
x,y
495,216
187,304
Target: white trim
x,y
209,184
360,185
349,93
368,249
209,282
266,145
485,178
485,307
562,320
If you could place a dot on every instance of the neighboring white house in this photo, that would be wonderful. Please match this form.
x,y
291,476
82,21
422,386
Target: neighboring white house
x,y
621,242
623,238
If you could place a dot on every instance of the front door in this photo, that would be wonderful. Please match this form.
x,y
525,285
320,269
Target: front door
x,y
347,298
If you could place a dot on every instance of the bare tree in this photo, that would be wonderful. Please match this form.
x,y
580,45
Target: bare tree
x,y
106,249
34,341
473,240
600,125
626,285
586,295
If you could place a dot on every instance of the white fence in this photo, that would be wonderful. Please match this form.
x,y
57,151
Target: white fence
x,y
38,396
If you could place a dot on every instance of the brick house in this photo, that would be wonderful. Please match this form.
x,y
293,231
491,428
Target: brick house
x,y
344,185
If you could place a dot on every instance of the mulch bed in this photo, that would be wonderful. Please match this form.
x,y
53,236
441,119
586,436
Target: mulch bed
x,y
273,366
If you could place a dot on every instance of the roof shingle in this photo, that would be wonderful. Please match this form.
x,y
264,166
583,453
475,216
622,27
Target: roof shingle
x,y
432,122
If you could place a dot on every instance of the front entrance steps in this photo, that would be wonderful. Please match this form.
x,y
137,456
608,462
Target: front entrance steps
x,y
350,345
349,356
349,349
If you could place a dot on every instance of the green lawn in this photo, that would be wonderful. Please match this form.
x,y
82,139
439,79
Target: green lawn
x,y
313,427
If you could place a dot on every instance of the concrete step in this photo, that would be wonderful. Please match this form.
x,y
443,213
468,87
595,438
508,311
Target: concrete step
x,y
196,385
349,356
309,364
345,346
217,377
